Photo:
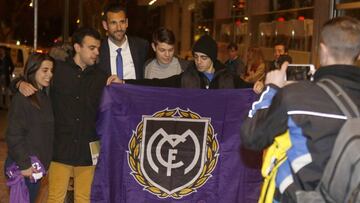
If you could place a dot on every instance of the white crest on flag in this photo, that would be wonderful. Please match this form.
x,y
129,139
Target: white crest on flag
x,y
170,144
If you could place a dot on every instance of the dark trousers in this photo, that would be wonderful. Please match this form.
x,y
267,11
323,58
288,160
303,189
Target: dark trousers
x,y
32,187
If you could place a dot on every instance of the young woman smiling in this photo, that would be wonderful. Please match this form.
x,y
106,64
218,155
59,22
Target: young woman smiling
x,y
30,129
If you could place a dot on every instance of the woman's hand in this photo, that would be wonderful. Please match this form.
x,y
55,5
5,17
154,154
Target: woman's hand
x,y
28,172
258,87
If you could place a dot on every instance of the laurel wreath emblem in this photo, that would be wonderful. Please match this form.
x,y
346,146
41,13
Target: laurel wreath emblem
x,y
210,163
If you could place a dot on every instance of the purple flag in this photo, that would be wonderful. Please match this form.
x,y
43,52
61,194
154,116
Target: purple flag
x,y
174,145
18,189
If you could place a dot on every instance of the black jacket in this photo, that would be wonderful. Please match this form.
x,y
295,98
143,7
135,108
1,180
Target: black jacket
x,y
191,78
75,96
139,49
236,66
312,118
30,130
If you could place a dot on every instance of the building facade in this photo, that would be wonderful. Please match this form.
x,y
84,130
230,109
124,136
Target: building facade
x,y
251,22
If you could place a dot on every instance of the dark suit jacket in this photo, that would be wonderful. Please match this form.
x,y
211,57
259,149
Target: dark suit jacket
x,y
139,49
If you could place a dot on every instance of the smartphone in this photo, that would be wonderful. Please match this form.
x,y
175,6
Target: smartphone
x,y
282,59
298,72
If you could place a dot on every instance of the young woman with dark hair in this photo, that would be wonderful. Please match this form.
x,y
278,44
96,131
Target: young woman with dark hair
x,y
30,129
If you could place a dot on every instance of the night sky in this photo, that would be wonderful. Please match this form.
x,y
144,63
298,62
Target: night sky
x,y
17,19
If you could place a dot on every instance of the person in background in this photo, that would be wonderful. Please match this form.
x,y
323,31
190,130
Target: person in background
x,y
280,49
30,130
205,72
61,52
234,63
121,54
306,111
281,55
255,67
7,66
6,70
165,64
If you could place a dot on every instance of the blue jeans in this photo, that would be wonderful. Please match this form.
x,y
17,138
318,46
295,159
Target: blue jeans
x,y
32,187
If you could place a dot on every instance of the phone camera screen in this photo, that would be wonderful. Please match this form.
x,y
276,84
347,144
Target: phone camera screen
x,y
296,73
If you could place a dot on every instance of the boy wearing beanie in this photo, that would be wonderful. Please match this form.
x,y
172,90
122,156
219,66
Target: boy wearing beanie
x,y
205,72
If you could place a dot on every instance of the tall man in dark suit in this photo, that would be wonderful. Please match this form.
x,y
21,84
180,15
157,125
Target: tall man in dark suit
x,y
133,52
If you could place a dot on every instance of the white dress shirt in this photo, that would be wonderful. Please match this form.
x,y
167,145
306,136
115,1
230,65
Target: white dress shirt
x,y
128,63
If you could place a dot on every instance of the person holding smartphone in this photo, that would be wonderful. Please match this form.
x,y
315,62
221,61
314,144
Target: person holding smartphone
x,y
306,112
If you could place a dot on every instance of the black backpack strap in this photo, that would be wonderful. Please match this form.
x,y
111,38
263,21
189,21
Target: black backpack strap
x,y
340,97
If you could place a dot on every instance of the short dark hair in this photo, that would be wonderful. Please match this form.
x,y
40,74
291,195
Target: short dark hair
x,y
232,45
114,8
163,35
282,43
81,33
342,36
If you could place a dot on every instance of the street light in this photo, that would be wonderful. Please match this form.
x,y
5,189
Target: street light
x,y
34,4
152,2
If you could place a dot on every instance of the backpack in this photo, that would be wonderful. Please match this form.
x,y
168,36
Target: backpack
x,y
341,178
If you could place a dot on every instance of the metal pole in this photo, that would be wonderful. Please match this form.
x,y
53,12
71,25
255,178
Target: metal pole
x,y
81,13
35,3
66,21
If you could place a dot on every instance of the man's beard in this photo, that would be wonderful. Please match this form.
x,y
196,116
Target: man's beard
x,y
116,37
